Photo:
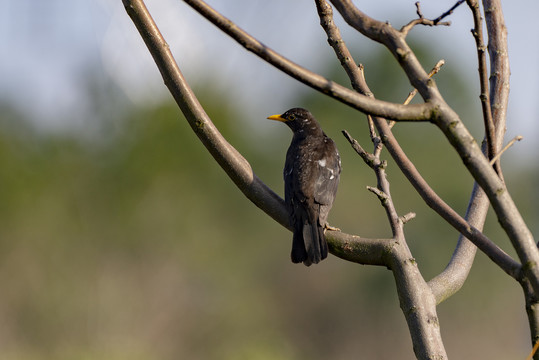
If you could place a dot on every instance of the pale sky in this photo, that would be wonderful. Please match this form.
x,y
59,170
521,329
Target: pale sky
x,y
48,46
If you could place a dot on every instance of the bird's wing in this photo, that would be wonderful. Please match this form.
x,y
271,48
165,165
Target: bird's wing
x,y
328,173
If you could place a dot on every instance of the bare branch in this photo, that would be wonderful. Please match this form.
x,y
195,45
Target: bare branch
x,y
335,40
448,12
423,320
382,196
407,217
392,253
458,135
505,148
367,157
449,281
499,64
394,40
483,81
433,72
499,68
382,189
235,165
430,197
421,20
418,10
499,97
501,258
454,275
417,301
415,112
371,251
413,93
360,250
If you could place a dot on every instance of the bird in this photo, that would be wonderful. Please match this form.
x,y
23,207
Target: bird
x,y
311,177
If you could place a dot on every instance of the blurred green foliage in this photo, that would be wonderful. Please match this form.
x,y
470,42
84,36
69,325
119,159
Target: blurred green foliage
x,y
139,247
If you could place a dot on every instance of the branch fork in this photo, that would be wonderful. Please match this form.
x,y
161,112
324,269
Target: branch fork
x,y
392,253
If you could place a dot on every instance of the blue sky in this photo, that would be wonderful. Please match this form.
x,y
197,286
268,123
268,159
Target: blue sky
x,y
48,46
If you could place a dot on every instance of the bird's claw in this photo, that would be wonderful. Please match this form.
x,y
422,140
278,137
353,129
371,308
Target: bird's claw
x,y
327,227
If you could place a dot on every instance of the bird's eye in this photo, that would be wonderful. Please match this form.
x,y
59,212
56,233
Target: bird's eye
x,y
291,117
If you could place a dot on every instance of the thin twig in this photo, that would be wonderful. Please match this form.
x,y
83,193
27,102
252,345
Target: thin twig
x,y
506,147
418,10
382,196
382,189
367,157
448,12
434,71
423,21
413,93
407,217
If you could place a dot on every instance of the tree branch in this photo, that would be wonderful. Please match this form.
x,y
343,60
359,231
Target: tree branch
x,y
449,281
413,290
499,98
235,165
348,247
423,21
415,112
412,174
499,66
319,83
448,12
499,63
336,41
500,257
416,300
392,253
458,135
496,254
505,148
477,32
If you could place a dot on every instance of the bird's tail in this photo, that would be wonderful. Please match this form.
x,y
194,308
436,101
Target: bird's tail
x,y
309,245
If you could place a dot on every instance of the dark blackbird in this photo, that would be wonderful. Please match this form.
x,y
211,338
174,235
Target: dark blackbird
x,y
311,176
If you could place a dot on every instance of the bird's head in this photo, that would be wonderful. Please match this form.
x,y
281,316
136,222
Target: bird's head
x,y
299,120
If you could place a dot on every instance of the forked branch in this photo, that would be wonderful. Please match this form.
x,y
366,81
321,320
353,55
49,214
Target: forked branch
x,y
349,247
430,197
388,110
458,135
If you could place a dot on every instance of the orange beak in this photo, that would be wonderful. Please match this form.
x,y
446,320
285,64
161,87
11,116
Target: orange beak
x,y
277,117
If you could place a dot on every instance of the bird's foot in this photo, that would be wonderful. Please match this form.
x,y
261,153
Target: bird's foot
x,y
327,227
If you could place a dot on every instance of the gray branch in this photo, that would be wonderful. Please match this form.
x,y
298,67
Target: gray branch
x,y
392,253
388,110
352,248
458,135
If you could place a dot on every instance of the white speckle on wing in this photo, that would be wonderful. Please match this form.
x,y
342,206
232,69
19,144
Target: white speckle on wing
x,y
332,174
322,162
